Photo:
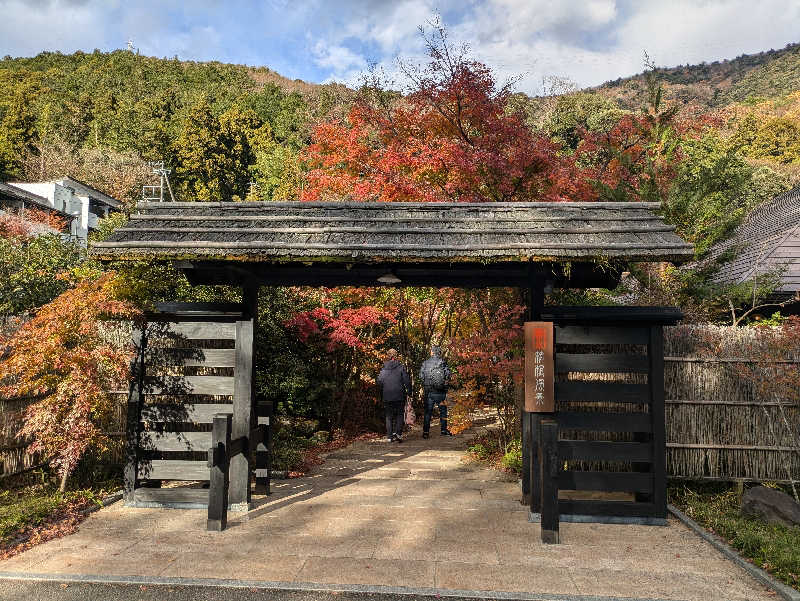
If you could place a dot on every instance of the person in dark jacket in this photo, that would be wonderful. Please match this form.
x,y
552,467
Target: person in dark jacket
x,y
435,376
395,386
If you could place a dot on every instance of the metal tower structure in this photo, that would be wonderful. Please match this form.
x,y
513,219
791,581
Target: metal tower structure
x,y
156,193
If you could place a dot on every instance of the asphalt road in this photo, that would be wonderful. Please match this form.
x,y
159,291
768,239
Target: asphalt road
x,y
53,590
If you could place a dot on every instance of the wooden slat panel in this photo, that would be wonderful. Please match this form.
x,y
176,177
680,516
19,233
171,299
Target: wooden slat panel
x,y
205,330
602,450
176,441
606,481
613,392
609,508
222,385
193,414
135,400
197,496
657,414
604,422
173,469
240,467
194,357
597,363
198,310
601,335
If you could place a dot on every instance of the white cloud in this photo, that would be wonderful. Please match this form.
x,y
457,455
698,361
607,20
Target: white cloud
x,y
590,41
26,29
337,58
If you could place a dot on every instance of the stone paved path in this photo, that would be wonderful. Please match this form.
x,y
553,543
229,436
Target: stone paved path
x,y
400,515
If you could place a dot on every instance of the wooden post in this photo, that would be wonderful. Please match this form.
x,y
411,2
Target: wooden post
x,y
219,479
263,449
549,468
530,421
525,427
655,353
135,400
534,470
243,400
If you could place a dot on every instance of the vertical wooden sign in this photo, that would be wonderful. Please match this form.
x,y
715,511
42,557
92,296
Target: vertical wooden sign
x,y
539,369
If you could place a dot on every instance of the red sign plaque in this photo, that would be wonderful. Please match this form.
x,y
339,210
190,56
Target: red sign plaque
x,y
539,376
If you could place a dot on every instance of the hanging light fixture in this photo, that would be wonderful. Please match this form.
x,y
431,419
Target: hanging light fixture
x,y
389,278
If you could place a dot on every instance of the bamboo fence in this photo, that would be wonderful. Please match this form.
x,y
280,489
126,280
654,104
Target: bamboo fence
x,y
717,425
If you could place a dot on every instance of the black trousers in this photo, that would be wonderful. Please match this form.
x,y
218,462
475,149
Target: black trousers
x,y
394,418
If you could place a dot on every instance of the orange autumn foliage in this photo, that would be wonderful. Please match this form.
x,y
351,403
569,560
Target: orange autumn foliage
x,y
452,138
22,226
62,358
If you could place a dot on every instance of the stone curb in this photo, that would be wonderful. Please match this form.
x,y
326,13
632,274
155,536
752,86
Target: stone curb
x,y
104,502
763,577
110,499
376,591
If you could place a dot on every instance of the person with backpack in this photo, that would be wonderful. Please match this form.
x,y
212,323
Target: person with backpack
x,y
395,386
435,376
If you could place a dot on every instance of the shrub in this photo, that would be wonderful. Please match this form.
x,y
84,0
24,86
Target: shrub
x,y
61,358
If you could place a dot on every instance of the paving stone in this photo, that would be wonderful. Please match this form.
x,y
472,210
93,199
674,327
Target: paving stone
x,y
672,585
368,571
203,565
398,515
502,577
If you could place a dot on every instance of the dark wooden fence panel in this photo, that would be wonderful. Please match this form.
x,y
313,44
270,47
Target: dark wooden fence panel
x,y
191,363
610,412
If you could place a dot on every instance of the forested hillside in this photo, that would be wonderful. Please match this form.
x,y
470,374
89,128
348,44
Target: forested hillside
x,y
746,78
236,132
101,116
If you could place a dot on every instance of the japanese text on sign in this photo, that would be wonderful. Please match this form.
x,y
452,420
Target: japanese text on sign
x,y
539,386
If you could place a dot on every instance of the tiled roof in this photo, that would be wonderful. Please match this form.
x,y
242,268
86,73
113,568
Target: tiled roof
x,y
405,232
768,239
16,193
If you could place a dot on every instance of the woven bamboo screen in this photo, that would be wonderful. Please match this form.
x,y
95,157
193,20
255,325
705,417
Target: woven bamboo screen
x,y
717,425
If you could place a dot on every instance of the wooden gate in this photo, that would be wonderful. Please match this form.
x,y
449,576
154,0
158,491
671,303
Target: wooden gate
x,y
609,394
194,361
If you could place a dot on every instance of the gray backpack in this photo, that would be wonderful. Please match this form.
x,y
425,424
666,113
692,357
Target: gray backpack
x,y
435,374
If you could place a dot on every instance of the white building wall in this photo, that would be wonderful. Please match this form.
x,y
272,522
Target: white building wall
x,y
44,189
65,199
61,196
75,205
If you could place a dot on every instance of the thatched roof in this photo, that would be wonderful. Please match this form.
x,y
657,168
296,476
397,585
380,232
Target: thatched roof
x,y
366,232
768,239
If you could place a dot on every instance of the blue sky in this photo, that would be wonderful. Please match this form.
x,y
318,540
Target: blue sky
x,y
585,41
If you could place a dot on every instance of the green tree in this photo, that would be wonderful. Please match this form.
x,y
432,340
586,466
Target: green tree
x,y
573,114
214,154
714,189
17,129
278,173
31,271
779,140
286,114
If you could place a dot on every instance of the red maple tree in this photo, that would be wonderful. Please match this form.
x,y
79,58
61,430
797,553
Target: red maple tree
x,y
454,137
62,359
348,331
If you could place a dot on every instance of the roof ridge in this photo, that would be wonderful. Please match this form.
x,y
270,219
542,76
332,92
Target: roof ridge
x,y
399,205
